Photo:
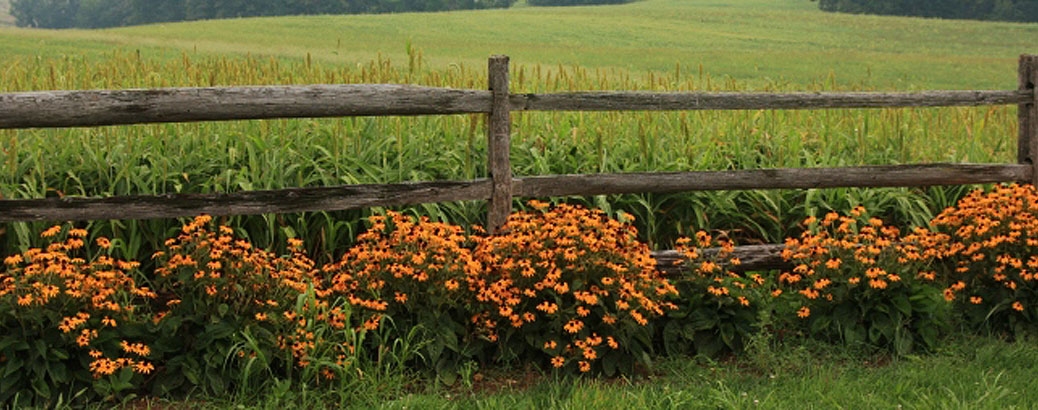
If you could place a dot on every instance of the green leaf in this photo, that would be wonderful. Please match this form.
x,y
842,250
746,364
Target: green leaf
x,y
41,387
674,340
14,366
708,343
902,304
702,319
903,343
609,364
14,343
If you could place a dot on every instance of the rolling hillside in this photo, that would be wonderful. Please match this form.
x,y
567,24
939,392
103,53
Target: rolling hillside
x,y
757,42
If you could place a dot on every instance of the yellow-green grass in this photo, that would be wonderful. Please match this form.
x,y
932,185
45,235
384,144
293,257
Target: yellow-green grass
x,y
756,42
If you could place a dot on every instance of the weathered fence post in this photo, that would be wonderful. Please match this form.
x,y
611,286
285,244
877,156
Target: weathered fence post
x,y
499,124
1027,116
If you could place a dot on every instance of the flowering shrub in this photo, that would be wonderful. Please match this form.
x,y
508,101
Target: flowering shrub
x,y
67,323
570,287
988,241
216,294
718,309
419,274
855,281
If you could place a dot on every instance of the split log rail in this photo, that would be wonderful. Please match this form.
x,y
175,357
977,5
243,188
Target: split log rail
x,y
50,109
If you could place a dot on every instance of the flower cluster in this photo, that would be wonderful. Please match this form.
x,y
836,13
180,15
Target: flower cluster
x,y
988,241
571,286
855,279
718,307
207,275
56,296
414,271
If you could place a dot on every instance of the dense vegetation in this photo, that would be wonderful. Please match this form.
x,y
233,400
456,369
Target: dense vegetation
x,y
1000,10
333,309
564,289
112,13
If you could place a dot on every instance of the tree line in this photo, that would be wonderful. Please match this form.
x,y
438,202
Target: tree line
x,y
998,10
114,13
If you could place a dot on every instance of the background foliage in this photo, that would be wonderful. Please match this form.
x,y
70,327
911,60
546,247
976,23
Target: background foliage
x,y
1001,10
113,13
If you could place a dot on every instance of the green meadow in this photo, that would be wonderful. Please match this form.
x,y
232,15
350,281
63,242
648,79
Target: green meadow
x,y
648,45
663,45
756,41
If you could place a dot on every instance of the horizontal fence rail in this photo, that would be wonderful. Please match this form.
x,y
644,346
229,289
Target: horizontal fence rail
x,y
643,101
366,196
91,108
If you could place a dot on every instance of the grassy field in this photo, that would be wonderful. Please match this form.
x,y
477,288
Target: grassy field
x,y
648,45
970,373
757,43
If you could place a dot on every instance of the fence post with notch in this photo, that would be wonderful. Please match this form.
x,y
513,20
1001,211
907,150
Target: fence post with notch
x,y
1027,115
499,125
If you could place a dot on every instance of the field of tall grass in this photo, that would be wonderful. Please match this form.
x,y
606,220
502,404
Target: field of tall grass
x,y
756,42
658,45
247,155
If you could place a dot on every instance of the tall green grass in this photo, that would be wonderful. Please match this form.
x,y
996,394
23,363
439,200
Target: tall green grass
x,y
969,373
250,155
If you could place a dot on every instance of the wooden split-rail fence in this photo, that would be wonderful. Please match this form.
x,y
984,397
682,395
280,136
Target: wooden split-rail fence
x,y
139,106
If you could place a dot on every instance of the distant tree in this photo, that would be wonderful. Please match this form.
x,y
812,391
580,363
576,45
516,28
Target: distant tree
x,y
45,13
109,13
1002,10
574,2
103,13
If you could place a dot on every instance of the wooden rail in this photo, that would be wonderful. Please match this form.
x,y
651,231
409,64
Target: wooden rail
x,y
119,107
49,109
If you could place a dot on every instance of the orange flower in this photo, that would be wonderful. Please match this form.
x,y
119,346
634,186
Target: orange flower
x,y
584,366
143,367
52,231
103,242
548,307
1017,306
573,326
804,312
878,284
558,361
976,300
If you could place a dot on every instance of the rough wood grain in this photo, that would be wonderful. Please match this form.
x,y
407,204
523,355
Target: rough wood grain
x,y
1027,114
786,178
115,107
242,203
751,258
499,129
140,106
649,101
